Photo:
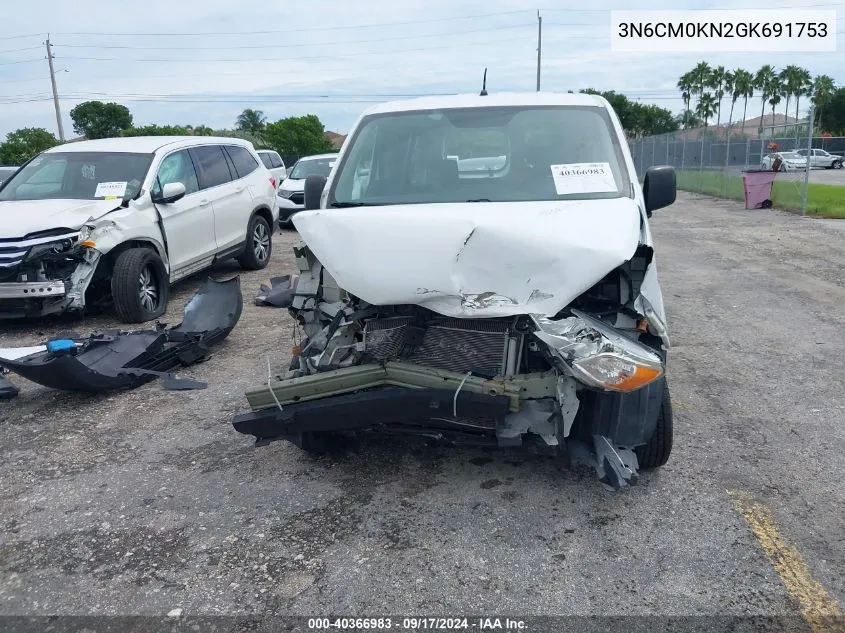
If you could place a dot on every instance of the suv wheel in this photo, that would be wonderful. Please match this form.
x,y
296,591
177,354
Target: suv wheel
x,y
656,452
837,164
139,285
259,244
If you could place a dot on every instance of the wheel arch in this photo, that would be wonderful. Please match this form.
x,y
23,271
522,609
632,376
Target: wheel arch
x,y
106,263
265,212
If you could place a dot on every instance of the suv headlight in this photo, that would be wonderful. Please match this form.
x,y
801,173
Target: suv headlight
x,y
285,193
598,355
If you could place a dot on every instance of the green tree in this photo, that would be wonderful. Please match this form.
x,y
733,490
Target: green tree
x,y
834,112
23,144
823,89
700,78
775,91
803,87
743,87
298,135
638,119
252,121
201,130
688,119
157,130
706,108
686,84
96,119
716,80
766,81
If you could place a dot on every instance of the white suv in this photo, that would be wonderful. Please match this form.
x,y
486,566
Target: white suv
x,y
123,218
274,164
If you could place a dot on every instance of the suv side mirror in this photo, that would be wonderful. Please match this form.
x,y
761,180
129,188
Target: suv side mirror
x,y
659,188
314,186
171,192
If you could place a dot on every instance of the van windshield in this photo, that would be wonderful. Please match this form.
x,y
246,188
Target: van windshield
x,y
79,176
495,154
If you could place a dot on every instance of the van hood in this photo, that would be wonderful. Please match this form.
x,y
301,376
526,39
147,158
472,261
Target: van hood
x,y
19,218
474,259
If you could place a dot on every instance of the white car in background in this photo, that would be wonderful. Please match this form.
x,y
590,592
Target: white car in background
x,y
291,192
6,172
790,161
821,158
123,218
274,164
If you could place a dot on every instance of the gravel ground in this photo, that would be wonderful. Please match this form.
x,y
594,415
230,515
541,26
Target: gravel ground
x,y
149,501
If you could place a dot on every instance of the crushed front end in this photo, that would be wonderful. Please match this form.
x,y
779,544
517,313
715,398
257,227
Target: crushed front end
x,y
589,380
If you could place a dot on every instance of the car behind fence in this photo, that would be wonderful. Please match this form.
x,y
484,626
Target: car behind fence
x,y
712,160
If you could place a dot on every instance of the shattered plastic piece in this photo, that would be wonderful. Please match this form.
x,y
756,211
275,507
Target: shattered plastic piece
x,y
279,294
116,360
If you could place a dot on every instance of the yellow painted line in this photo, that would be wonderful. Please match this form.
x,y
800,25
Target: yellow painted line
x,y
818,608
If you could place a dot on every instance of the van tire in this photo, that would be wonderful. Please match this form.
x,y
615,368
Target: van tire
x,y
137,272
259,244
656,452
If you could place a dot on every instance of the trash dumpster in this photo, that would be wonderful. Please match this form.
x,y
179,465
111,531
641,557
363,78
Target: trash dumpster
x,y
757,187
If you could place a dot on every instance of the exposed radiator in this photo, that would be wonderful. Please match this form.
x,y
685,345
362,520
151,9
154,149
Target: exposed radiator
x,y
460,345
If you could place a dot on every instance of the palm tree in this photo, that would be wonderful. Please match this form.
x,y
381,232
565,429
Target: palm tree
x,y
804,84
765,80
718,77
729,89
685,85
743,87
789,82
706,108
700,78
775,91
823,89
251,121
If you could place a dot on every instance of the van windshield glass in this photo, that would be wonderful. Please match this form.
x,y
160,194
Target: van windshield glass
x,y
79,176
496,154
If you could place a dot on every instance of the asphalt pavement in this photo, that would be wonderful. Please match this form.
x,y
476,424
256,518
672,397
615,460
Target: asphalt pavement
x,y
148,501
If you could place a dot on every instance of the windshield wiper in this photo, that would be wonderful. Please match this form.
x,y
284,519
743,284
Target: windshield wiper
x,y
344,205
480,200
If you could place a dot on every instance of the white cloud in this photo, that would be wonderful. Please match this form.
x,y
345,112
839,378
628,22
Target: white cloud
x,y
437,49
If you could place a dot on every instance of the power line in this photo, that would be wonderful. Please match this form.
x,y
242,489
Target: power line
x,y
339,42
303,30
22,61
18,50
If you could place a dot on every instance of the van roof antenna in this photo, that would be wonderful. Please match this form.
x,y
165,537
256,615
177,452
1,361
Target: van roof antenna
x,y
484,84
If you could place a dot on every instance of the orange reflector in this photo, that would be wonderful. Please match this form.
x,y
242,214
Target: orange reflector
x,y
640,378
88,244
295,350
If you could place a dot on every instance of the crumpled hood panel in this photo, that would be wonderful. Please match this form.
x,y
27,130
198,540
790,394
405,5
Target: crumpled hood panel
x,y
19,218
473,259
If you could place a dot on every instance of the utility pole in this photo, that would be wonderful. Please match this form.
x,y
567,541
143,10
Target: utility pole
x,y
810,116
55,92
539,46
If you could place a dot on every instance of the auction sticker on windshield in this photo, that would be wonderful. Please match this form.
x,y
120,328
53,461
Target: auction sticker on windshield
x,y
583,178
110,189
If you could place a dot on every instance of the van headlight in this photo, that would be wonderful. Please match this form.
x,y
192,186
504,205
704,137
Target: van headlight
x,y
598,355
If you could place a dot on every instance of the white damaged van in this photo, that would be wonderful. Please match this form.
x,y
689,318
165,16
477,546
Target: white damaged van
x,y
515,303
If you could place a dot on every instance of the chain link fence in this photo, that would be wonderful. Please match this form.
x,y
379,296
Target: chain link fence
x,y
712,161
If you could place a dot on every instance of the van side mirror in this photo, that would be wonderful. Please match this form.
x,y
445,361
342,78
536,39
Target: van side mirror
x,y
314,186
659,187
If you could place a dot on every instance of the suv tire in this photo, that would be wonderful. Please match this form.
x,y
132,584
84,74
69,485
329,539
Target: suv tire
x,y
139,285
656,452
259,244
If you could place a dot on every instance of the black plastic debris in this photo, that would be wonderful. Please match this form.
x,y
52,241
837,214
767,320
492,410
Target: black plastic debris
x,y
279,294
117,360
7,389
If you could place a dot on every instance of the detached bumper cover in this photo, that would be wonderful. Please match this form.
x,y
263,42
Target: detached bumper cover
x,y
123,360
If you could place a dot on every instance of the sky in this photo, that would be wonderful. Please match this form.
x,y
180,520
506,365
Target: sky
x,y
203,61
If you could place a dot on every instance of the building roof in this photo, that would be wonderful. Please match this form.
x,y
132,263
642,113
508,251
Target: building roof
x,y
144,144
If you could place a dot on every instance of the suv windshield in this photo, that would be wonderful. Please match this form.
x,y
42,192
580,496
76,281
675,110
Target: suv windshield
x,y
79,176
494,154
312,167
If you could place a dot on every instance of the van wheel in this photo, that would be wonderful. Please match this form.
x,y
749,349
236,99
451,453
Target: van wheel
x,y
139,285
259,244
656,452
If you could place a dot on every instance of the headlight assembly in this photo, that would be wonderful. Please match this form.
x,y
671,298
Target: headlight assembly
x,y
285,193
598,355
